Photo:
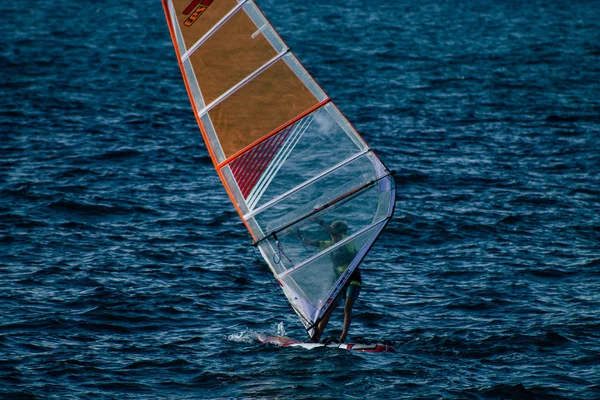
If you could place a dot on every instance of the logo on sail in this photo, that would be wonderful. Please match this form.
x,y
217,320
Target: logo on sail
x,y
196,9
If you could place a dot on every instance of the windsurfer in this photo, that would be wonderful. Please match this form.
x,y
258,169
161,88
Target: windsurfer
x,y
341,258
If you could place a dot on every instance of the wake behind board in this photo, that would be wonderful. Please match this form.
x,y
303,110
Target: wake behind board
x,y
361,347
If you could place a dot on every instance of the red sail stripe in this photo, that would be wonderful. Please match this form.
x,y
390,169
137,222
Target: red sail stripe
x,y
245,166
257,167
256,171
255,160
235,166
191,7
267,156
248,168
263,157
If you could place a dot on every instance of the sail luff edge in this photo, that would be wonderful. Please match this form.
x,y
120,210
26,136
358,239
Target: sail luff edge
x,y
166,4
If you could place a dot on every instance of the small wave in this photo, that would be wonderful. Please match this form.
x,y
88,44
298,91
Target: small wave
x,y
476,305
510,220
516,392
119,154
21,221
48,271
76,172
592,263
75,225
533,200
105,328
415,177
546,339
203,160
572,118
86,208
7,239
157,364
550,272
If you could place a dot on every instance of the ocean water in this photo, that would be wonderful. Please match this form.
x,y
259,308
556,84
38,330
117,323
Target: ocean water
x,y
125,272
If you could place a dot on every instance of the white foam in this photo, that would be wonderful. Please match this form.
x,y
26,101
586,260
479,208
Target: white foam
x,y
245,336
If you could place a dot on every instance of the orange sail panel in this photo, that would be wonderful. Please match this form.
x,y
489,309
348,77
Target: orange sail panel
x,y
291,163
263,104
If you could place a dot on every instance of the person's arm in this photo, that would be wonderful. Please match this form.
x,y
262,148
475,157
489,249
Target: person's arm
x,y
325,226
308,241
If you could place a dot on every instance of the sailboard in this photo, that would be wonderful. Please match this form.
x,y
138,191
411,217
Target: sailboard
x,y
284,341
286,155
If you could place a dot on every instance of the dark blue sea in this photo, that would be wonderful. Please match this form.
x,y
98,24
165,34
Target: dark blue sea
x,y
125,272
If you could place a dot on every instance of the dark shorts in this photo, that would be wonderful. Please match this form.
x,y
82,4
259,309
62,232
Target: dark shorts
x,y
350,291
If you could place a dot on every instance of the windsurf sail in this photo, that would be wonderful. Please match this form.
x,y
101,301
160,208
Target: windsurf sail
x,y
288,158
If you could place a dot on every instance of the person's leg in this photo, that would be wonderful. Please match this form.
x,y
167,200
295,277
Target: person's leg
x,y
322,324
325,319
351,295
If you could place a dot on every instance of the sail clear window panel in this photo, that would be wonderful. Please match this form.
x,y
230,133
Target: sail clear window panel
x,y
369,206
304,76
341,120
314,281
193,85
209,130
263,105
386,204
320,192
303,153
195,25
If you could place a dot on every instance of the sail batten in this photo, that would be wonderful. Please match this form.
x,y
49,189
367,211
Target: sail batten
x,y
319,209
243,82
288,158
212,30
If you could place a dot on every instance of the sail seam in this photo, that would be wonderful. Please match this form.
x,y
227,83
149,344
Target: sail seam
x,y
242,83
212,30
303,185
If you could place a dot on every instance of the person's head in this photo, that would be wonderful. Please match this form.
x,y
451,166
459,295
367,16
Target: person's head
x,y
338,229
